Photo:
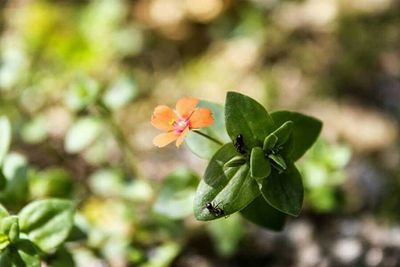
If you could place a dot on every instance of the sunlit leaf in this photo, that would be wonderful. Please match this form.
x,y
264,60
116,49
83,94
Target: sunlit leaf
x,y
120,93
35,131
81,134
15,169
163,255
47,222
10,227
3,212
176,196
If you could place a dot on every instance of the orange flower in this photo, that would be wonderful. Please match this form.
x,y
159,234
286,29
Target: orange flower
x,y
178,123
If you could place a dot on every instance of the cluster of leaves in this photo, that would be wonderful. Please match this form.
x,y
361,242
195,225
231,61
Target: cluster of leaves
x,y
255,172
39,227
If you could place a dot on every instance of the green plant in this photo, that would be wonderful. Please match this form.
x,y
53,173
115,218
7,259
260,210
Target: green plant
x,y
40,226
252,167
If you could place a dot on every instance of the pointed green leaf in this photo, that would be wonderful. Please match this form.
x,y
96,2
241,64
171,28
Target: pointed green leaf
x,y
270,141
259,165
5,137
305,130
201,146
235,162
283,132
284,191
279,161
262,214
245,116
4,242
47,222
229,189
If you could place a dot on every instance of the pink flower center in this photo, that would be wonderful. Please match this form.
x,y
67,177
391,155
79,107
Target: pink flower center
x,y
180,125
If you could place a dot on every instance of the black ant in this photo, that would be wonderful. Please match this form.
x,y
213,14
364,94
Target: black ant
x,y
215,210
239,144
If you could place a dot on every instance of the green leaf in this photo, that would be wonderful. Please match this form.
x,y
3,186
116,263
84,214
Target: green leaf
x,y
5,259
262,214
10,227
28,253
284,191
107,182
283,132
163,255
36,130
15,170
22,254
47,222
61,258
270,141
305,130
279,161
121,91
201,146
5,137
4,242
235,162
3,212
259,165
81,93
51,182
176,197
229,189
81,134
245,116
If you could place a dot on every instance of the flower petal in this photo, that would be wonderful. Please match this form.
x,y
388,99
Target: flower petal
x,y
182,137
164,139
185,106
162,118
201,118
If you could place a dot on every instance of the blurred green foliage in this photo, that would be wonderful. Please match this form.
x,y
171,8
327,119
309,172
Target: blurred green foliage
x,y
79,79
323,174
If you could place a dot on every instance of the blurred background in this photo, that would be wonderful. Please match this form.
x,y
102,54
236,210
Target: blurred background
x,y
80,79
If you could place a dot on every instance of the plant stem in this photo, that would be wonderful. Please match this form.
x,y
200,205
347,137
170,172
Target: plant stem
x,y
124,144
208,137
